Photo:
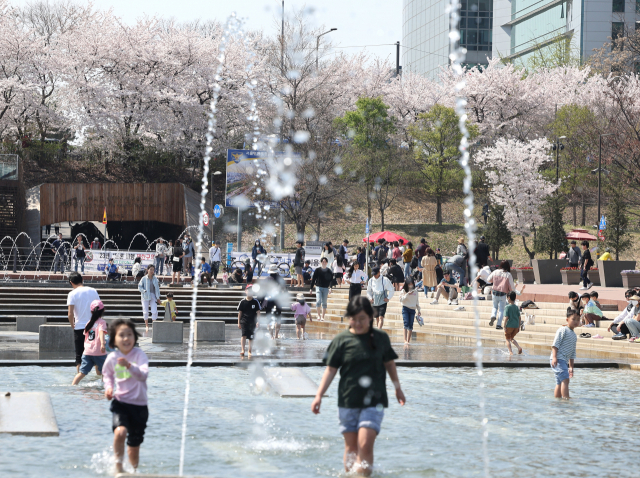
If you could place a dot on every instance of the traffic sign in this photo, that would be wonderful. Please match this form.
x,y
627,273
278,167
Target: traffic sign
x,y
205,219
601,235
217,210
603,222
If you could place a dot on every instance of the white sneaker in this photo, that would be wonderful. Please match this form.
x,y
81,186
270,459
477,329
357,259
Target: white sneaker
x,y
215,281
454,302
583,288
459,308
590,285
434,302
448,302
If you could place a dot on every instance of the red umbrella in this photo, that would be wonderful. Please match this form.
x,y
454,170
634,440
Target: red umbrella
x,y
386,235
581,235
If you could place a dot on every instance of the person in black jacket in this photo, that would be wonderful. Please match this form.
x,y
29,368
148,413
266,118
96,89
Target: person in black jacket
x,y
585,264
321,279
482,253
396,274
298,263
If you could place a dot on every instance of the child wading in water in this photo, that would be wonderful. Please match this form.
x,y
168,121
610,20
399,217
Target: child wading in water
x,y
512,324
563,353
127,367
364,357
95,351
248,313
302,312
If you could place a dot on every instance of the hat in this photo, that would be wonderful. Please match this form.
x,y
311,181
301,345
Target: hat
x,y
461,240
273,269
634,297
375,270
96,239
249,290
96,305
300,296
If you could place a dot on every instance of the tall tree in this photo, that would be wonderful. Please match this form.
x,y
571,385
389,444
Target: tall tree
x,y
616,234
436,138
497,234
551,236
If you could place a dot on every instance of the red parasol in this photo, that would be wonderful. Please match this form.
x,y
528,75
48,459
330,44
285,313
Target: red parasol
x,y
386,235
581,235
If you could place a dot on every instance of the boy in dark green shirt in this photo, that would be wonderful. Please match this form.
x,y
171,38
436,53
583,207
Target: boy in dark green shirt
x,y
512,324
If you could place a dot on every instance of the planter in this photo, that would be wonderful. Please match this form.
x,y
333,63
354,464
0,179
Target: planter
x,y
630,280
547,271
570,277
496,264
594,276
525,276
610,272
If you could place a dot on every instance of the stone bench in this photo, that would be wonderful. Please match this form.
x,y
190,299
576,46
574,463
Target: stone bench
x,y
209,331
167,332
30,323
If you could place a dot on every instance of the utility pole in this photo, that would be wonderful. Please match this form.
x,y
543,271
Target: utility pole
x,y
318,44
282,124
282,40
600,175
397,58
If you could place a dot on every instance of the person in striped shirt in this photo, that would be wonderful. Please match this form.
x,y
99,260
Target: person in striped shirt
x,y
563,353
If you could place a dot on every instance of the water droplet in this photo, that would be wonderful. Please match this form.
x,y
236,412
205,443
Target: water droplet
x,y
365,381
301,137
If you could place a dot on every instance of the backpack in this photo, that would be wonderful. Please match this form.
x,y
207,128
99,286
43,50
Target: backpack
x,y
382,253
414,262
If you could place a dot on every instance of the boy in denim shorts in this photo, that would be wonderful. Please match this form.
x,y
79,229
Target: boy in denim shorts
x,y
563,353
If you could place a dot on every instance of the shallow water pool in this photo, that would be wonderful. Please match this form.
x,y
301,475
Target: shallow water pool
x,y
233,433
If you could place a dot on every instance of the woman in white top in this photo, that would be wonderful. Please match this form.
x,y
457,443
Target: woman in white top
x,y
329,253
502,281
410,300
355,278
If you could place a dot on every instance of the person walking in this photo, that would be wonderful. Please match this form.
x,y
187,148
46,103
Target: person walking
x,y
248,313
344,251
187,258
161,252
298,263
150,296
215,259
421,250
463,250
407,257
258,255
321,279
482,253
380,291
80,255
428,268
364,357
176,258
60,257
302,312
410,300
503,284
574,256
79,312
355,278
586,263
329,253
95,345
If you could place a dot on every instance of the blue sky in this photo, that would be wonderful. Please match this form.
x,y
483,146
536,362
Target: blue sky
x,y
359,22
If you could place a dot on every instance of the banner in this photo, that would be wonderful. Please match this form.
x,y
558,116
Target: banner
x,y
96,261
282,258
242,168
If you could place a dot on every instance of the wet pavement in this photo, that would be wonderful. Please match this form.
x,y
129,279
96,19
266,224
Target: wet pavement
x,y
23,346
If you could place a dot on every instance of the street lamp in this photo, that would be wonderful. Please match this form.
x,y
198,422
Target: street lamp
x,y
213,219
318,44
600,171
557,147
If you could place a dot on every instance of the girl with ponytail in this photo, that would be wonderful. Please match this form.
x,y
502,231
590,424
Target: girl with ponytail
x,y
364,356
95,347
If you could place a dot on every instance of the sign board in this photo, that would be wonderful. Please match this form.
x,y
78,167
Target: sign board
x,y
601,235
313,248
205,219
95,261
281,258
603,223
229,251
242,169
366,228
217,211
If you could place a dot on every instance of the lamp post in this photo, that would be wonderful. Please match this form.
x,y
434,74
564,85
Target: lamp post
x,y
213,219
557,147
600,174
318,44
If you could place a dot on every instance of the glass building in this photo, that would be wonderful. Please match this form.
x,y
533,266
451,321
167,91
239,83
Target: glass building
x,y
522,31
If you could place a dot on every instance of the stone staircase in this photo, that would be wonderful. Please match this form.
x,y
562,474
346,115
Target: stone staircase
x,y
214,304
445,325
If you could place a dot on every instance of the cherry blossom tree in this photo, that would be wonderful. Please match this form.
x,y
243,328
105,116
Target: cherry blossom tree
x,y
512,169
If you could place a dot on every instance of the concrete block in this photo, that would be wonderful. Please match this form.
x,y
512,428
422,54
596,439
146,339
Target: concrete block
x,y
167,332
290,382
27,413
209,331
56,338
167,313
30,323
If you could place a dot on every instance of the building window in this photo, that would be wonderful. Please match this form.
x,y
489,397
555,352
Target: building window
x,y
637,6
476,23
618,6
617,31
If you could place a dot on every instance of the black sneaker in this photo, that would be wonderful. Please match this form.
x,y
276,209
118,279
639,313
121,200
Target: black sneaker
x,y
498,327
619,337
493,319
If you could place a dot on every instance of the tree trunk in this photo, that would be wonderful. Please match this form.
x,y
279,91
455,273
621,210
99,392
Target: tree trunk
x,y
575,214
584,212
439,211
382,220
300,228
318,228
532,255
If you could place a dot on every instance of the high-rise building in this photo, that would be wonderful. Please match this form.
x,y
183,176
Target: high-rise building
x,y
511,29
